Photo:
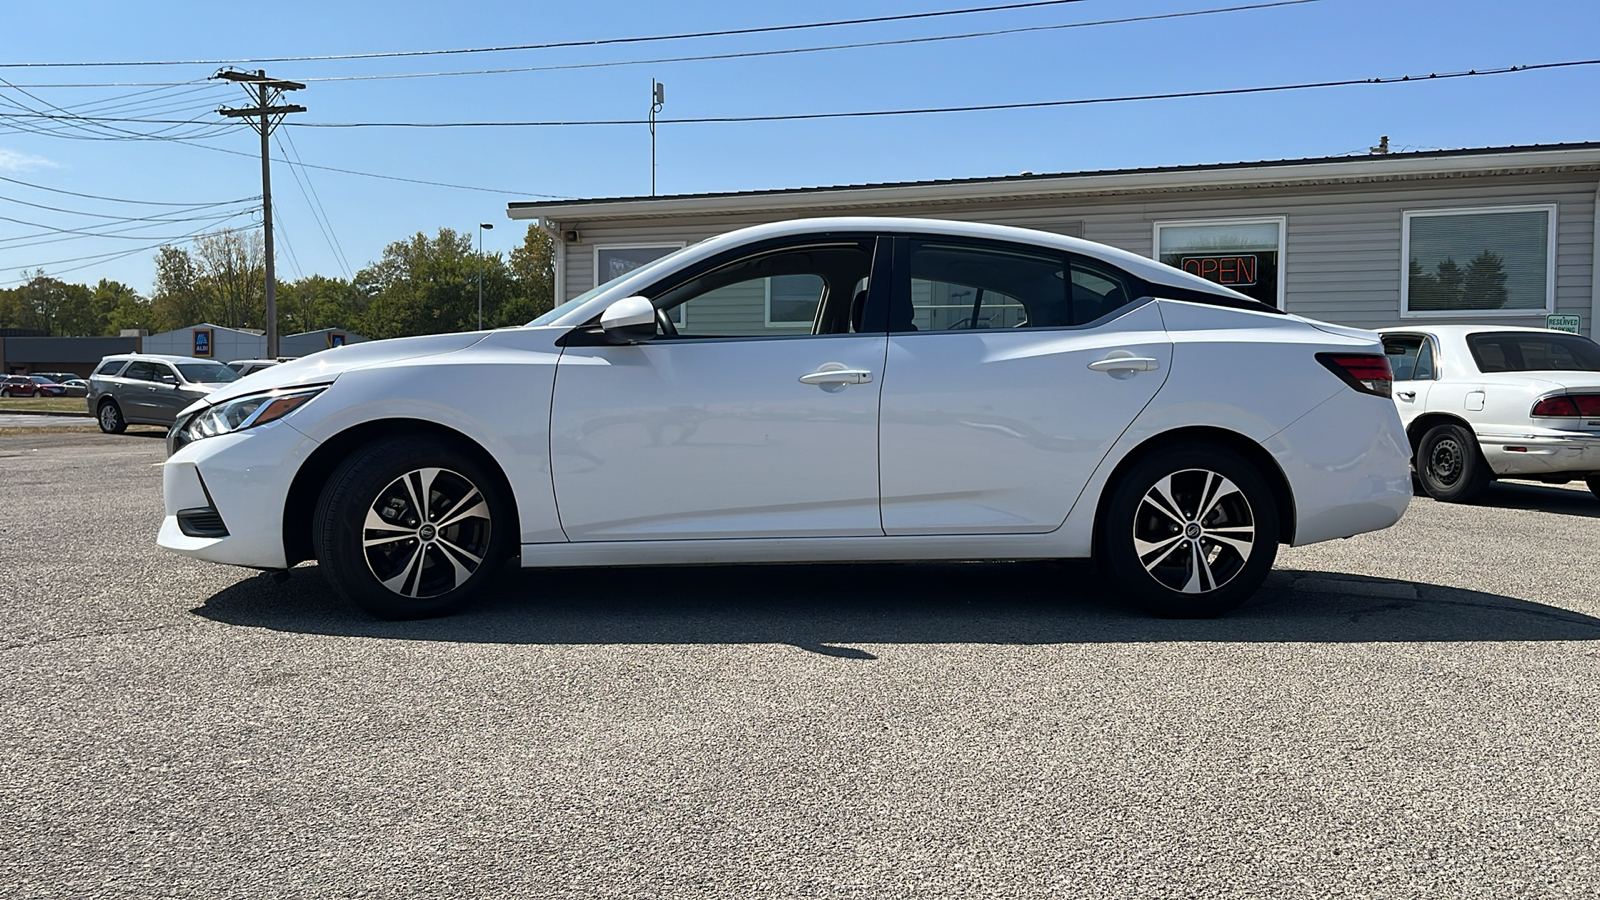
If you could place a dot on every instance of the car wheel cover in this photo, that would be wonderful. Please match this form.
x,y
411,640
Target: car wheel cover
x,y
1446,462
426,533
1194,531
108,417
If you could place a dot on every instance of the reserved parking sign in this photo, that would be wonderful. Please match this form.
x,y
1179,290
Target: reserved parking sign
x,y
1563,323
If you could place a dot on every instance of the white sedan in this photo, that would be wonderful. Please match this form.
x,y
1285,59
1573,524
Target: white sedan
x,y
820,390
1482,402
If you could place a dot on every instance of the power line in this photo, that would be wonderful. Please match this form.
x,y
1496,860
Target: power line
x,y
114,255
318,213
857,114
599,42
986,107
78,212
116,234
443,184
52,190
753,54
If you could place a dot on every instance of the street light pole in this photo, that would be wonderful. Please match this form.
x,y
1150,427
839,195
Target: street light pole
x,y
481,227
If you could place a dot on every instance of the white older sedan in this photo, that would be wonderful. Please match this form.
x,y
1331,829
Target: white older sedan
x,y
818,390
1482,402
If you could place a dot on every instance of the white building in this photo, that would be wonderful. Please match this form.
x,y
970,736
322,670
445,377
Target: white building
x,y
216,342
1499,234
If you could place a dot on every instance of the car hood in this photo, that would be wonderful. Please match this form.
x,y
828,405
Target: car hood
x,y
324,366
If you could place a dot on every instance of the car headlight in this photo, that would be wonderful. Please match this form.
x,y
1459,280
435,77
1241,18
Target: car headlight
x,y
244,412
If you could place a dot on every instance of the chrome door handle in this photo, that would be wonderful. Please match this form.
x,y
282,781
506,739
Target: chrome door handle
x,y
837,376
1126,364
1406,395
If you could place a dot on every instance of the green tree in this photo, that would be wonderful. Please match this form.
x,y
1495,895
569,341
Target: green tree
x,y
317,301
123,307
534,268
180,297
232,264
1483,285
426,285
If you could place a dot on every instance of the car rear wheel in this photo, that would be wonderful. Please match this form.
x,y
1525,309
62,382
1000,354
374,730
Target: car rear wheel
x,y
110,418
1450,466
1190,532
411,527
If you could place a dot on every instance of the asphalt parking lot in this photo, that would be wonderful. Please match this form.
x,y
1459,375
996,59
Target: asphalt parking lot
x,y
1405,714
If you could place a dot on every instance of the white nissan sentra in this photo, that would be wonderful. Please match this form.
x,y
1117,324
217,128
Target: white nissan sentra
x,y
819,390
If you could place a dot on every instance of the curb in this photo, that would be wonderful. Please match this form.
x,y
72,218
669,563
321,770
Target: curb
x,y
85,414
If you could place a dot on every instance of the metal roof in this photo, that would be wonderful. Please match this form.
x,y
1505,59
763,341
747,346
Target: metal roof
x,y
1155,179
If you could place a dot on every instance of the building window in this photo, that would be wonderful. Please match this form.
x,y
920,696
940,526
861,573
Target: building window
x,y
1474,262
1243,254
612,261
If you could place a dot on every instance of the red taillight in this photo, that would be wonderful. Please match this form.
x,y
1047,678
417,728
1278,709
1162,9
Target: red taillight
x,y
1573,405
1366,372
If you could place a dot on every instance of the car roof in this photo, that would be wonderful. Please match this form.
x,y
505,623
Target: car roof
x,y
1464,330
157,356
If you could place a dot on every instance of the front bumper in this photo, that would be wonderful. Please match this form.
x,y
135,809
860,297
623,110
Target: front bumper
x,y
1537,452
244,477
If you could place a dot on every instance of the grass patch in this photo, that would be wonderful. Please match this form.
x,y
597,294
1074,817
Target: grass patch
x,y
52,404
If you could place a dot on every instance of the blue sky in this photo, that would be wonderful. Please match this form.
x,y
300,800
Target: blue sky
x,y
1323,40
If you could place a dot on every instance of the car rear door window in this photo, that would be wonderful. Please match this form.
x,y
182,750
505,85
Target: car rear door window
x,y
1514,351
141,371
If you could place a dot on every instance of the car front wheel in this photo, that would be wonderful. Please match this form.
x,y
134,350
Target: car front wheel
x,y
1450,466
110,418
1191,532
411,527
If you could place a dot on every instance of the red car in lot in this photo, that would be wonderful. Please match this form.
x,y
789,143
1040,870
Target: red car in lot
x,y
48,387
18,386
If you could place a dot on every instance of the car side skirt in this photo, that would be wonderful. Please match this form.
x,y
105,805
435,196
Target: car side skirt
x,y
886,548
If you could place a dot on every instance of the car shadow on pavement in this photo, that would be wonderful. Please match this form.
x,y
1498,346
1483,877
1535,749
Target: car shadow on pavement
x,y
818,607
1541,498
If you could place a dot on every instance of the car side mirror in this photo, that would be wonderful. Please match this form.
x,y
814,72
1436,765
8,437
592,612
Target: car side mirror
x,y
629,321
170,379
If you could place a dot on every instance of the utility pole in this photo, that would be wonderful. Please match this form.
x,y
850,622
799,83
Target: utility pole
x,y
658,97
263,117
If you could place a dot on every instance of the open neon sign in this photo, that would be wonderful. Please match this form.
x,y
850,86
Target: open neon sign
x,y
1233,270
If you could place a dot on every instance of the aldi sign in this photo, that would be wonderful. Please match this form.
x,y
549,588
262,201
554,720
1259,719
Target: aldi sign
x,y
202,343
1564,323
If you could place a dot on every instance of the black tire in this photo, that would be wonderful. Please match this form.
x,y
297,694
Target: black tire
x,y
5,392
416,566
1593,481
1450,466
109,416
1213,554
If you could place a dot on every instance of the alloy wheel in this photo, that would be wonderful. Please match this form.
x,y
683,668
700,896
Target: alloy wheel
x,y
1194,531
426,533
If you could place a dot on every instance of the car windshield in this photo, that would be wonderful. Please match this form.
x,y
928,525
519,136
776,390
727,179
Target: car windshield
x,y
1531,351
204,372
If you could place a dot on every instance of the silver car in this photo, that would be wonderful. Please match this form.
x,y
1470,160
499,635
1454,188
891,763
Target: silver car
x,y
145,389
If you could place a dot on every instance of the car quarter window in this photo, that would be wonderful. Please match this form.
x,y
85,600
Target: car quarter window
x,y
110,368
813,288
956,286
